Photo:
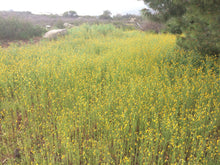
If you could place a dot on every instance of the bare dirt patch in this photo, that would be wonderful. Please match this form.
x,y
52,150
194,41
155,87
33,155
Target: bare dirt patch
x,y
7,43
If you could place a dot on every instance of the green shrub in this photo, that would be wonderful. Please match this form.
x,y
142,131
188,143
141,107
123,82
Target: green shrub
x,y
201,34
123,26
200,25
93,31
16,29
173,26
59,24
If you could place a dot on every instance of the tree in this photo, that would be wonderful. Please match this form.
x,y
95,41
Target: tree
x,y
198,20
163,10
106,15
70,14
201,24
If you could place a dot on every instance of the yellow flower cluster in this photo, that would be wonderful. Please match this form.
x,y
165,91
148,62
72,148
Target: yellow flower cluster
x,y
101,95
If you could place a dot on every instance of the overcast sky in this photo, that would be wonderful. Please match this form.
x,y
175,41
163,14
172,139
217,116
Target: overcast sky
x,y
82,7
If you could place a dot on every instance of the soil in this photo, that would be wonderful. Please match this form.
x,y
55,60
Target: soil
x,y
7,43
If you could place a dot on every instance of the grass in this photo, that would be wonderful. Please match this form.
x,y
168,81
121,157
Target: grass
x,y
101,95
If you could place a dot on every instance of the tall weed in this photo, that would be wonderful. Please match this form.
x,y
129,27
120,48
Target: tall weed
x,y
107,99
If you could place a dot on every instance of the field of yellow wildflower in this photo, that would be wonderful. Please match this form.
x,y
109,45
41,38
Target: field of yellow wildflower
x,y
101,95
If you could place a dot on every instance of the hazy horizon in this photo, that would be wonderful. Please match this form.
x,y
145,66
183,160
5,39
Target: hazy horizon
x,y
82,7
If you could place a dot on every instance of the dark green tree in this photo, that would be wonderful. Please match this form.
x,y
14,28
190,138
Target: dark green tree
x,y
200,25
106,15
163,10
70,14
199,21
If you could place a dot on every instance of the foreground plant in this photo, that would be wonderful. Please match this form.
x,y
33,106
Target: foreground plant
x,y
101,95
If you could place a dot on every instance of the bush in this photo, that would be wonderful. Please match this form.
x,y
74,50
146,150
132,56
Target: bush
x,y
123,26
200,25
16,29
173,26
201,34
152,26
59,24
